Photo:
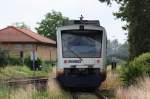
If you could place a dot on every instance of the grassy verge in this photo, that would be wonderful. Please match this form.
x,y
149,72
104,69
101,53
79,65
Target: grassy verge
x,y
52,92
8,93
22,71
139,91
16,92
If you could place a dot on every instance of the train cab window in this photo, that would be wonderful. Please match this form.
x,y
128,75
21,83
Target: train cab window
x,y
81,43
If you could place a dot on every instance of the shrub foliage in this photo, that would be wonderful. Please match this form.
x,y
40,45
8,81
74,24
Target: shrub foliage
x,y
3,58
139,67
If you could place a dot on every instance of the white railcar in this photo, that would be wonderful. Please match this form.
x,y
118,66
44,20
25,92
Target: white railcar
x,y
81,50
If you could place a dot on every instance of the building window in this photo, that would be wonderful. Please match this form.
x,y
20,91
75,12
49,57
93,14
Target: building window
x,y
18,46
29,46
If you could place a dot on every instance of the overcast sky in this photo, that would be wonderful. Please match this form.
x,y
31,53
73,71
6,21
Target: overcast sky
x,y
33,11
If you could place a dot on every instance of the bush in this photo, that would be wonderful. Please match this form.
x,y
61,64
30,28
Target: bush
x,y
28,62
14,61
48,65
137,68
52,63
11,72
3,58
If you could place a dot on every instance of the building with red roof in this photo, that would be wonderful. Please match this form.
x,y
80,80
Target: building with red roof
x,y
22,42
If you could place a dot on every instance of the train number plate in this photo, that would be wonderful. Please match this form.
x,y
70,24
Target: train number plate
x,y
74,61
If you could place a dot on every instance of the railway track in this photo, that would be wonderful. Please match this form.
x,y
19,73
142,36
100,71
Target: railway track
x,y
40,83
27,80
97,93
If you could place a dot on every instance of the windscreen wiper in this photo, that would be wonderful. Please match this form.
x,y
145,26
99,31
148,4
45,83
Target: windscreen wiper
x,y
75,53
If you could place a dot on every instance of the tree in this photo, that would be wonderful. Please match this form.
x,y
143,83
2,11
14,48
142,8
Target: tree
x,y
115,49
21,25
137,15
48,25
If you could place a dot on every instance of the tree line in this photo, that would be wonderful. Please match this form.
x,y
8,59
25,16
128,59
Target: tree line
x,y
136,14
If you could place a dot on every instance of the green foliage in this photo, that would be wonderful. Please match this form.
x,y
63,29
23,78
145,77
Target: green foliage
x,y
115,49
139,67
47,95
4,91
87,97
136,14
47,67
53,63
21,25
28,62
48,25
122,51
3,58
39,61
22,71
11,93
14,61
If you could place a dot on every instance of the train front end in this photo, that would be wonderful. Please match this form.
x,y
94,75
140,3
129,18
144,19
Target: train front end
x,y
81,50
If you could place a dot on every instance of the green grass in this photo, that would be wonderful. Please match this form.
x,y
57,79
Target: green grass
x,y
87,97
48,95
18,93
22,71
10,93
6,91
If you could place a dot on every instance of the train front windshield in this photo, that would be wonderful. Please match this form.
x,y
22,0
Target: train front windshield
x,y
81,43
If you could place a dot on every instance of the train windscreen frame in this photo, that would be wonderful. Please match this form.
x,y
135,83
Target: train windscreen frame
x,y
81,43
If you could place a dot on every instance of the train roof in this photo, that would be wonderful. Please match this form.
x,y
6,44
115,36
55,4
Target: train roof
x,y
82,22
